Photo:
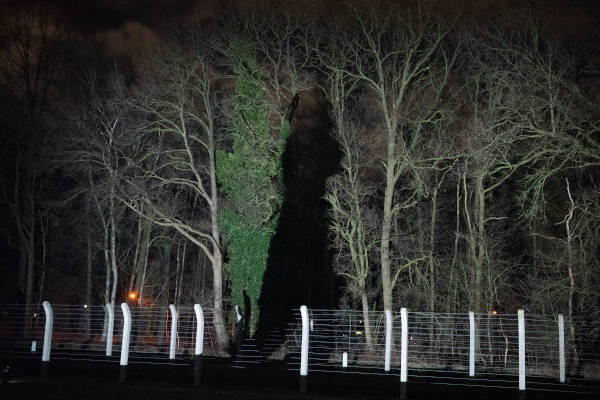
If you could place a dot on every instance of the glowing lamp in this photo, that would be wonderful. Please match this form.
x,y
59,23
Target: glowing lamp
x,y
132,295
494,312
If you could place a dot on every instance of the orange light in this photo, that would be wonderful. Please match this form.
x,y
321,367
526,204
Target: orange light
x,y
132,295
494,312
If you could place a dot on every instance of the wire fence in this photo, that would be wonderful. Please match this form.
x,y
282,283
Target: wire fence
x,y
472,349
21,330
343,341
80,332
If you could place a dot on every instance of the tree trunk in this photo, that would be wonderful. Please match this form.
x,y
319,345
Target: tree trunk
x,y
44,232
31,251
218,318
570,262
145,250
472,246
181,272
30,270
452,287
481,238
432,262
217,257
107,265
113,258
366,318
90,262
137,256
88,286
177,271
166,271
432,251
107,280
23,254
421,275
386,279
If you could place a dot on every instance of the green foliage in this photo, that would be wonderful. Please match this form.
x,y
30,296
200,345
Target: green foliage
x,y
247,248
250,175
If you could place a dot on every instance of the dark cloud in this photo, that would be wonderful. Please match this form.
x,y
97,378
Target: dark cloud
x,y
100,15
131,39
128,29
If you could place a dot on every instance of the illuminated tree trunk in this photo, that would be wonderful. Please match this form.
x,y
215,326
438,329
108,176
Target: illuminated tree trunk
x,y
141,282
113,248
432,277
386,226
107,275
481,242
570,262
366,318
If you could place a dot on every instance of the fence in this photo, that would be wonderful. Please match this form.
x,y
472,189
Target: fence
x,y
502,350
494,350
156,334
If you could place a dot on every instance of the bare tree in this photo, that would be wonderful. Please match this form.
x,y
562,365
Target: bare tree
x,y
96,152
353,223
526,110
393,59
175,166
32,53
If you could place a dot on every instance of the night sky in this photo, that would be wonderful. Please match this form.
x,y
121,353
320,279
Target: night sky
x,y
130,28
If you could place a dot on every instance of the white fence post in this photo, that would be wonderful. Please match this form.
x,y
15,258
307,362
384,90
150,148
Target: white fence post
x,y
199,349
561,346
388,339
521,321
304,348
199,330
173,339
110,328
344,360
404,345
471,343
125,341
47,331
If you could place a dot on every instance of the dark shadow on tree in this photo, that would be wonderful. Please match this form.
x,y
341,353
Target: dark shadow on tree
x,y
299,264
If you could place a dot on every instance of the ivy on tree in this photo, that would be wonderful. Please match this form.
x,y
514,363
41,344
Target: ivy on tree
x,y
251,178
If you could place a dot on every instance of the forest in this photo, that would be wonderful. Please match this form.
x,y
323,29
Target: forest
x,y
418,154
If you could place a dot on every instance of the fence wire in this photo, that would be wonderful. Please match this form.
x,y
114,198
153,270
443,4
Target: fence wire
x,y
80,333
438,346
21,330
340,341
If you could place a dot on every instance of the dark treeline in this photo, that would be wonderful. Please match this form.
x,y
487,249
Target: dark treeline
x,y
465,175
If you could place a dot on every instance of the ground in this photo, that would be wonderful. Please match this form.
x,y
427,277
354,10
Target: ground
x,y
68,380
